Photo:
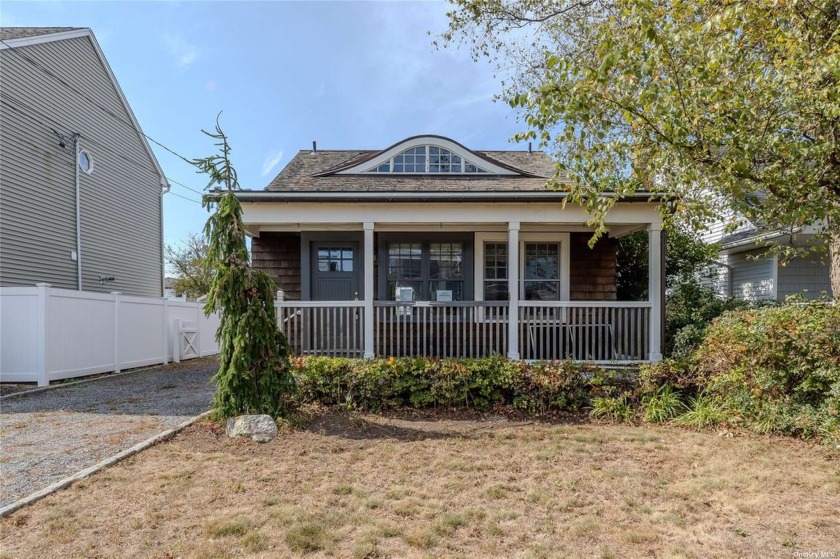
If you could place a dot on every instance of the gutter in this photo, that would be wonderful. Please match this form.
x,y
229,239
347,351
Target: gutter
x,y
398,196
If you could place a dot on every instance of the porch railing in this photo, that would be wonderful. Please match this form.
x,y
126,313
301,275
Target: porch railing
x,y
438,329
331,328
605,331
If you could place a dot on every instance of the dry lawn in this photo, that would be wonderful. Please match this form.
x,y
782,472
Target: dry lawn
x,y
425,486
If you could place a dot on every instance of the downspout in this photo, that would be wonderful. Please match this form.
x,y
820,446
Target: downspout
x,y
76,138
164,188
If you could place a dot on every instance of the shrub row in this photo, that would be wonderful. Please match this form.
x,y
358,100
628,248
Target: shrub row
x,y
770,369
479,384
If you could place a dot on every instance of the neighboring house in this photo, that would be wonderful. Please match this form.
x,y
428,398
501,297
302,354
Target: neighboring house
x,y
746,271
80,187
430,248
169,291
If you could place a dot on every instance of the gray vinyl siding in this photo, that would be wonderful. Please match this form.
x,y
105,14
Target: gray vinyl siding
x,y
808,276
752,279
120,200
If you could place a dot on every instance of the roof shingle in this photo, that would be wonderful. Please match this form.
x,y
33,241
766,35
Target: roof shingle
x,y
302,175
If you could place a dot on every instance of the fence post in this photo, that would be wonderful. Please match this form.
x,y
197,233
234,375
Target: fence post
x,y
198,329
164,331
176,340
41,357
116,295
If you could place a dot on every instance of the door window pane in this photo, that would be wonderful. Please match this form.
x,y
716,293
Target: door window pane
x,y
335,259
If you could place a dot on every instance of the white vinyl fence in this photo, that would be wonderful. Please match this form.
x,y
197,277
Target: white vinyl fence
x,y
50,334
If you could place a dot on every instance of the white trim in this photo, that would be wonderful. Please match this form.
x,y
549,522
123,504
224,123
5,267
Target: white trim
x,y
89,156
560,237
265,215
513,291
775,277
45,38
369,282
86,32
278,196
435,141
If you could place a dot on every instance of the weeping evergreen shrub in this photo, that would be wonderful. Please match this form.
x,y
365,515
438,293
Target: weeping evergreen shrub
x,y
254,374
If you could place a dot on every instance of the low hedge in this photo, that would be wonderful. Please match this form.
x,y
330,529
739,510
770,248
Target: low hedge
x,y
480,384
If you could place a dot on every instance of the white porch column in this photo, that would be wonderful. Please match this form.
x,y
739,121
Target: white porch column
x,y
368,271
513,290
656,290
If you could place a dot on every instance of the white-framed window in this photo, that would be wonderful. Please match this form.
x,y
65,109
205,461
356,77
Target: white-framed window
x,y
543,266
428,271
85,161
427,159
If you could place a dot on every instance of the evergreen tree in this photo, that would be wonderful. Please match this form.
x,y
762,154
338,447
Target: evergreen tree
x,y
254,374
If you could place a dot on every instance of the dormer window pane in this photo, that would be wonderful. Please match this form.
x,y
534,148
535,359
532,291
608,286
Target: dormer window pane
x,y
427,159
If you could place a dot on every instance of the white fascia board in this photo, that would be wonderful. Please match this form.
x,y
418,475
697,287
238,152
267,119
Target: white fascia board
x,y
269,196
264,214
86,32
46,38
436,141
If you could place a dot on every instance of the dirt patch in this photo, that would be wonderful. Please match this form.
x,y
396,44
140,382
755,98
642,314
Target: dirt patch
x,y
426,485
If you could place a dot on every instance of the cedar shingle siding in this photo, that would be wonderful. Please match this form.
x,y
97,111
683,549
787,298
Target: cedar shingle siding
x,y
592,273
278,255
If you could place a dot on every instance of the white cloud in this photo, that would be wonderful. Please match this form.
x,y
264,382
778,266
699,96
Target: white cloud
x,y
271,161
184,52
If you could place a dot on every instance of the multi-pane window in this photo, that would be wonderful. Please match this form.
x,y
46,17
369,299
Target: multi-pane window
x,y
425,271
495,272
540,277
541,273
335,260
427,159
446,273
443,161
411,161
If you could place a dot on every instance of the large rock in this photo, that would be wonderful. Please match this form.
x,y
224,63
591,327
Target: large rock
x,y
261,428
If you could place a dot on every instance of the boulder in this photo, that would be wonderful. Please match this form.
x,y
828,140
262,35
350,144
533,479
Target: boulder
x,y
261,428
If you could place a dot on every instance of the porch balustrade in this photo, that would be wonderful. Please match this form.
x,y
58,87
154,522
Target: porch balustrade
x,y
603,332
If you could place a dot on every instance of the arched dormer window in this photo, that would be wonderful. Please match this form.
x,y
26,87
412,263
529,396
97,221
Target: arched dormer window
x,y
426,155
427,159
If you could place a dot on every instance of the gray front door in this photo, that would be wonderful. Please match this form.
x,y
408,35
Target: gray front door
x,y
335,274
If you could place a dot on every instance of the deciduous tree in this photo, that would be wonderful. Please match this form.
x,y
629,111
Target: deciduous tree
x,y
708,100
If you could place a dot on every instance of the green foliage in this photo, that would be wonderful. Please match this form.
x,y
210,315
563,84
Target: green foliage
x,y
613,408
477,384
193,273
703,411
662,405
687,254
732,104
689,309
254,375
777,368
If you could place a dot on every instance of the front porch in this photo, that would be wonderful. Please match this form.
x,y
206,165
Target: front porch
x,y
529,289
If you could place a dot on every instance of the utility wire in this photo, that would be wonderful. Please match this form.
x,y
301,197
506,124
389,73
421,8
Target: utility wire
x,y
17,105
109,112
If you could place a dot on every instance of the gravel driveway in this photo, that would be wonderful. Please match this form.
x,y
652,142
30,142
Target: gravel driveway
x,y
47,436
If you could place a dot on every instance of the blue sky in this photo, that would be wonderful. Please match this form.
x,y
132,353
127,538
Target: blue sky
x,y
348,74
